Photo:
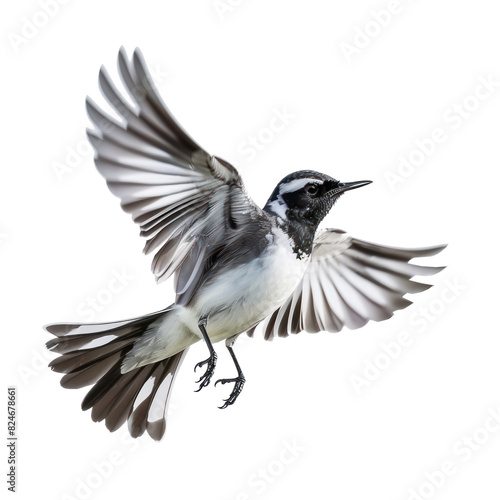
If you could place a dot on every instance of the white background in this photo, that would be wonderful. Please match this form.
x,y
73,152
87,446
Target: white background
x,y
224,73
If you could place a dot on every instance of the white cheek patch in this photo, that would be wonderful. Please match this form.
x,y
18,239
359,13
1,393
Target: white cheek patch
x,y
297,184
279,207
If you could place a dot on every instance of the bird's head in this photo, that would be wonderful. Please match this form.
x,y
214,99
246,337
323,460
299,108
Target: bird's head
x,y
307,196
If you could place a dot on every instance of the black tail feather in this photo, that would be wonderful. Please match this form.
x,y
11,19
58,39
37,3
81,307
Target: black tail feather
x,y
93,354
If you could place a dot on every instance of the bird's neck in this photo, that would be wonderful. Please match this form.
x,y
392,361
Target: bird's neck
x,y
302,236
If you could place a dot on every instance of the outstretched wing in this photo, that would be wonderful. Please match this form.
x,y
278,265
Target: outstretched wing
x,y
347,283
183,198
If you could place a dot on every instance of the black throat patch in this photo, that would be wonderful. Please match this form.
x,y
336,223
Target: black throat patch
x,y
302,236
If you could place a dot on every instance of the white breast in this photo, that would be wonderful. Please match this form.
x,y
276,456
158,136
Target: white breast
x,y
250,292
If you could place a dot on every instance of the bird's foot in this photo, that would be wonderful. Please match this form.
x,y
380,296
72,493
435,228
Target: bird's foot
x,y
205,378
239,382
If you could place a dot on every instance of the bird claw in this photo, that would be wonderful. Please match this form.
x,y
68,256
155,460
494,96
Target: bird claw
x,y
205,378
239,382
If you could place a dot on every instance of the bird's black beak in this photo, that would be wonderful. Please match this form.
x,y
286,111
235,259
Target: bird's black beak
x,y
347,186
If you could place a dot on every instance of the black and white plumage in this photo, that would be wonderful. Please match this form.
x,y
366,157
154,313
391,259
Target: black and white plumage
x,y
234,265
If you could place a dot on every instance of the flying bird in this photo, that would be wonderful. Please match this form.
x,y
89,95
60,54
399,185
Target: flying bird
x,y
235,265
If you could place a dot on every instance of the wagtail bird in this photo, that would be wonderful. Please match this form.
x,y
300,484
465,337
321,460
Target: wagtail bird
x,y
235,265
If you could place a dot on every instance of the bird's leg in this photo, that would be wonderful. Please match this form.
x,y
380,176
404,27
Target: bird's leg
x,y
210,361
239,381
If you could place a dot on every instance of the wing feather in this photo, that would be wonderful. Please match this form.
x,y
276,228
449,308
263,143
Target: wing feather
x,y
349,282
171,186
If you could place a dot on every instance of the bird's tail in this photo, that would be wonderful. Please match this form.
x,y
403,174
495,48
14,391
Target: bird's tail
x,y
93,354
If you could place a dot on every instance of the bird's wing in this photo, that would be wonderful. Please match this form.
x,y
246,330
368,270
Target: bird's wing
x,y
347,283
183,198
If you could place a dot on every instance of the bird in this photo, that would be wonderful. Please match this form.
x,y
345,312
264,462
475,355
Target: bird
x,y
235,266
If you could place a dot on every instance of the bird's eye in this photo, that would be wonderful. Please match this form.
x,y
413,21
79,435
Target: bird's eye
x,y
312,189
